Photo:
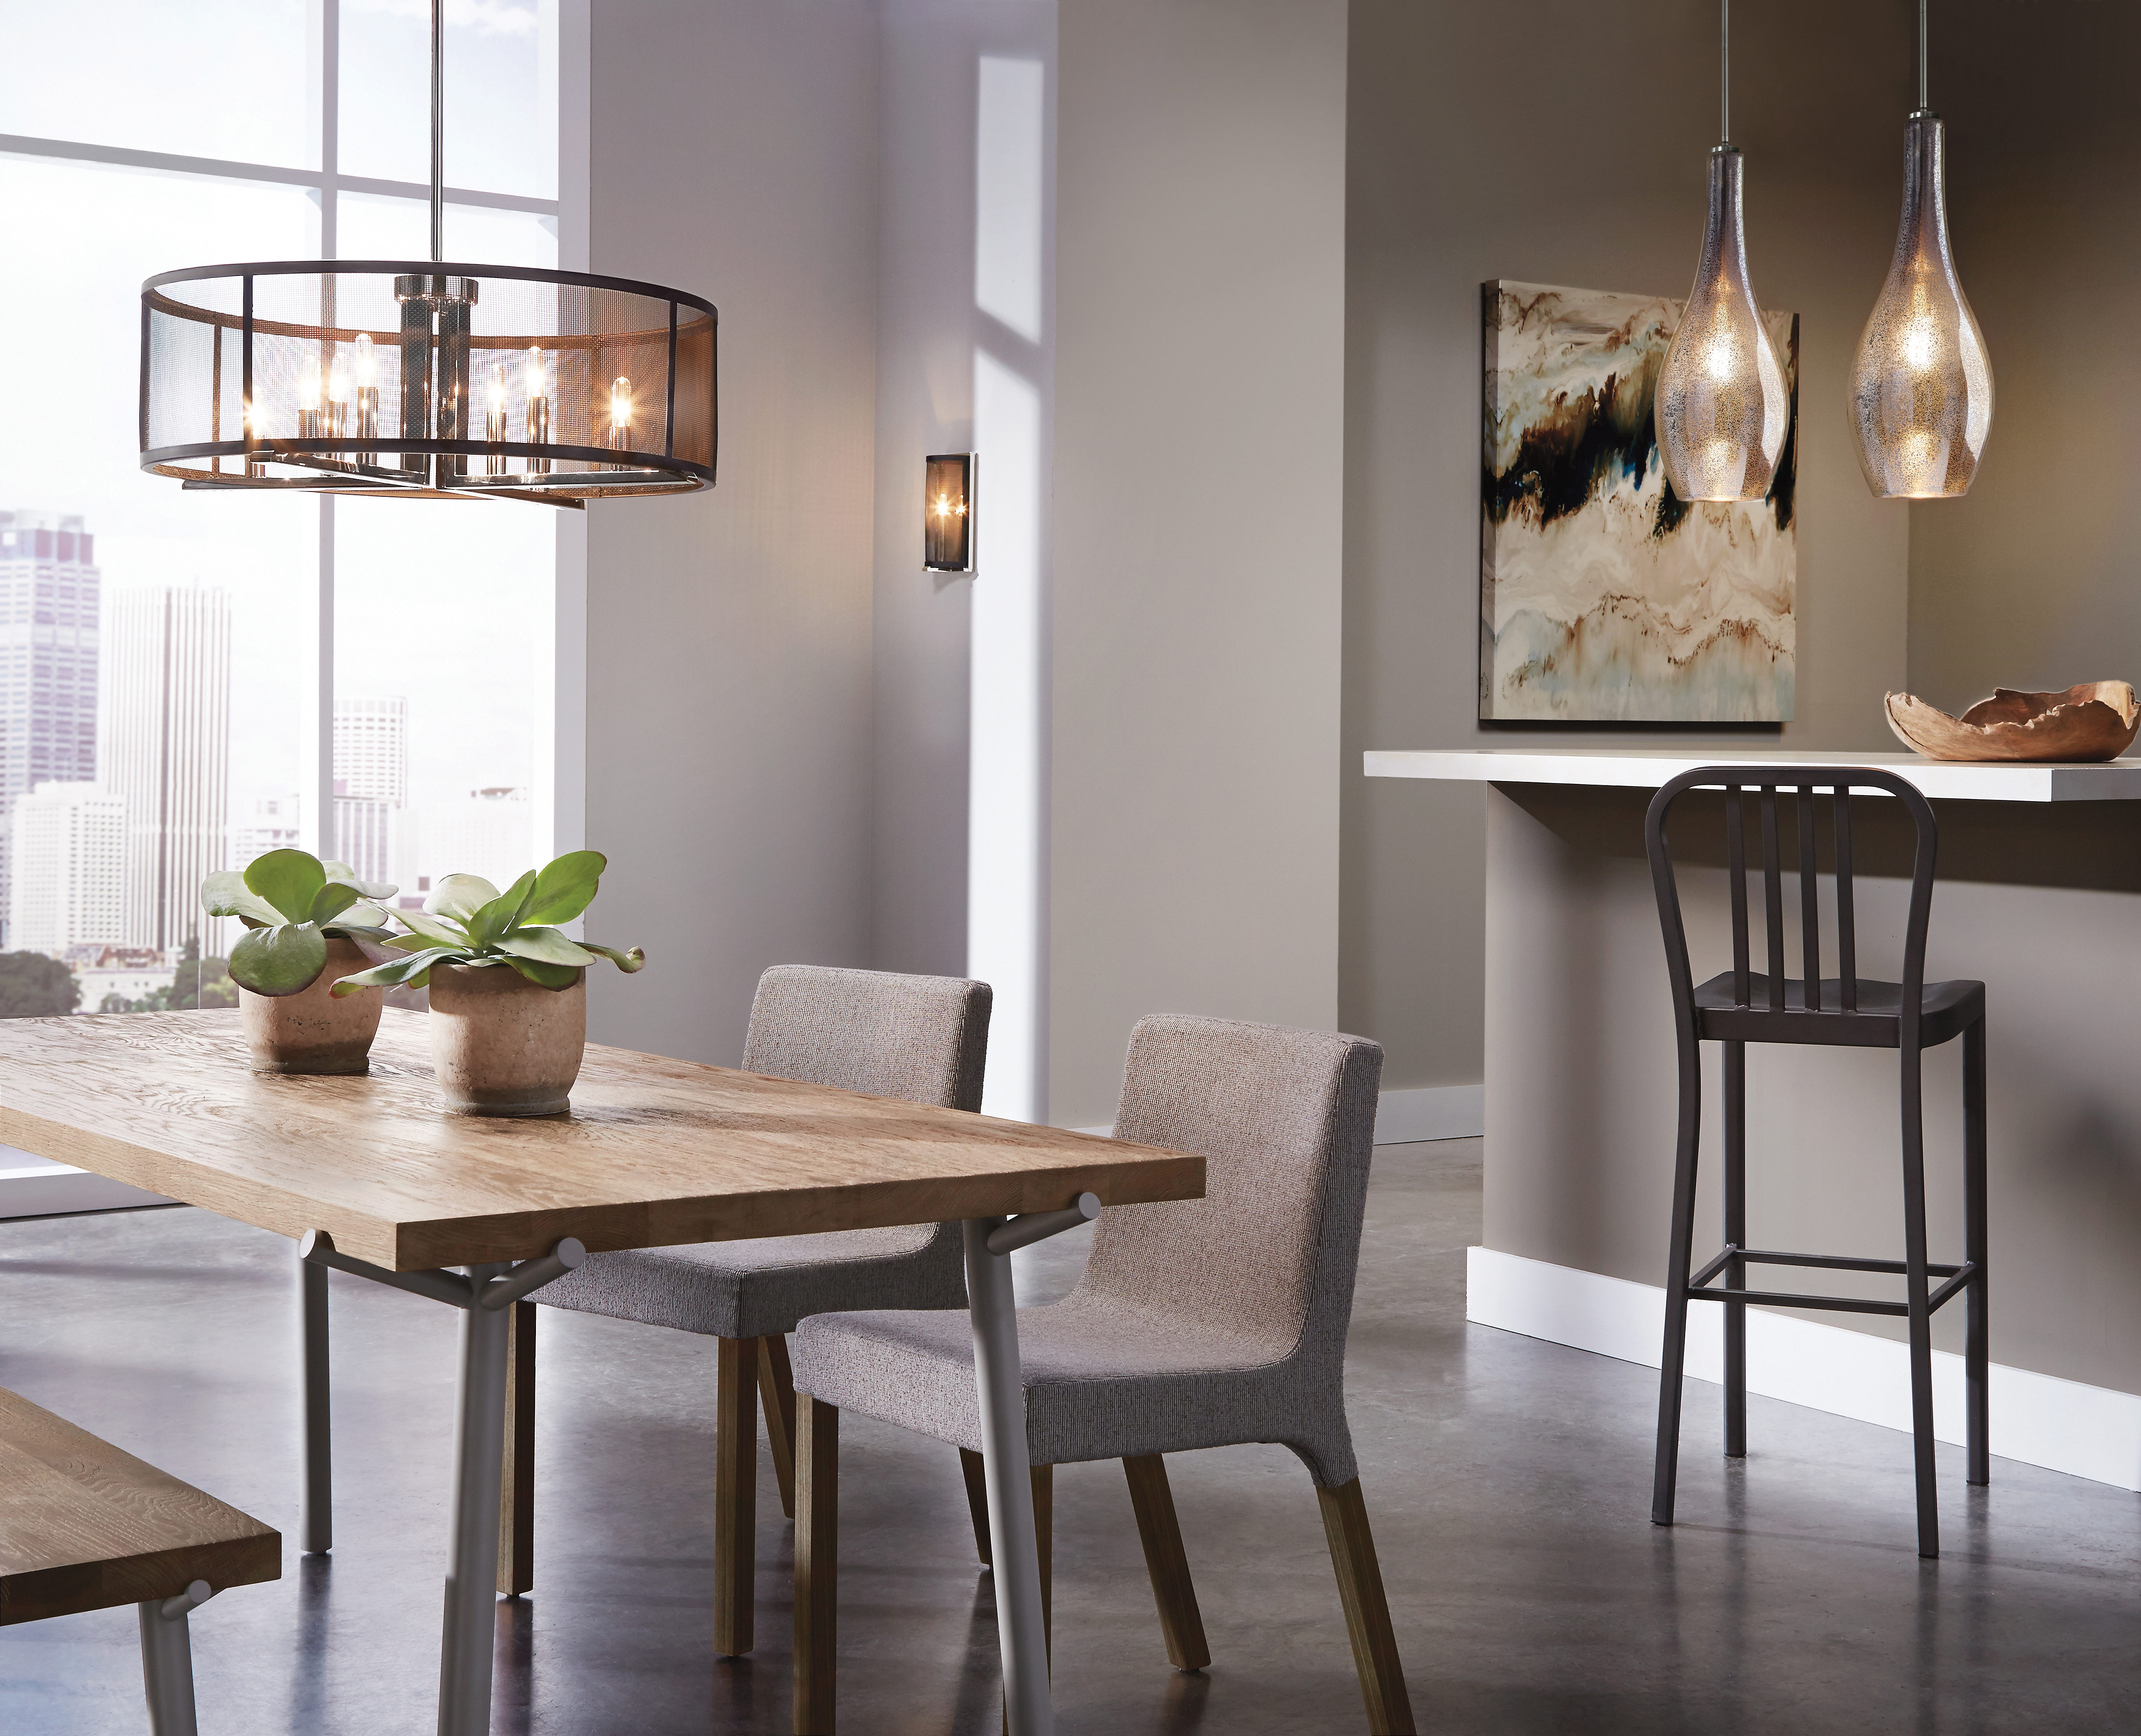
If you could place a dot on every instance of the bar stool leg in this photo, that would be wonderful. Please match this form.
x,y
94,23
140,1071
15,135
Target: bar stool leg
x,y
1677,1269
1735,1237
1976,1347
1917,1294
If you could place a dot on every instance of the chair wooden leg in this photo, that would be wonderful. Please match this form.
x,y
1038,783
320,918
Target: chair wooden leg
x,y
736,1492
776,1392
817,1562
516,1508
973,1474
1975,1346
1917,1289
1367,1612
1181,1624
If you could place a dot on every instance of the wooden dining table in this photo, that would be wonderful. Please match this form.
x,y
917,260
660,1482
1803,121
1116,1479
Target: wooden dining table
x,y
372,1177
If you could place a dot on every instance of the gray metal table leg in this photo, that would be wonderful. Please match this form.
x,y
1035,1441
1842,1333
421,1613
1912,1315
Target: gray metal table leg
x,y
167,1660
471,1612
1017,1563
316,1513
485,1295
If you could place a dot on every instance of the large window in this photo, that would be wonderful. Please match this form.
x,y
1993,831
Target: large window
x,y
167,705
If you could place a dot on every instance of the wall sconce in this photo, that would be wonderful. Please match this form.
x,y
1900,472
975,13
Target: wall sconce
x,y
947,512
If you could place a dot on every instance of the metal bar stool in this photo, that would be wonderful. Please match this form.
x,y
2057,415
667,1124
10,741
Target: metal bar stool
x,y
1741,1006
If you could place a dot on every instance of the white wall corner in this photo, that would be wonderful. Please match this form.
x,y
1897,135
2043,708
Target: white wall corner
x,y
1433,1111
2039,1419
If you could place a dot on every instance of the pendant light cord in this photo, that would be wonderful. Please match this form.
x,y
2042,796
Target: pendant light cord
x,y
1724,69
438,130
1921,54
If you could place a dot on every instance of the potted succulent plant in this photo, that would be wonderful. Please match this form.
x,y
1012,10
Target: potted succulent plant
x,y
509,991
303,918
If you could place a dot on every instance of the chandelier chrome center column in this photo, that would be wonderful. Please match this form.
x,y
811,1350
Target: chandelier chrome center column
x,y
427,379
1722,406
1921,382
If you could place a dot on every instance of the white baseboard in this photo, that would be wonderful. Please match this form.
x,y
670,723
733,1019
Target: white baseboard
x,y
2040,1419
30,1188
1435,1112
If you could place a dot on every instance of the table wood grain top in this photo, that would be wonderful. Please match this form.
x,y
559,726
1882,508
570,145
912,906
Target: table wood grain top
x,y
85,1526
655,1152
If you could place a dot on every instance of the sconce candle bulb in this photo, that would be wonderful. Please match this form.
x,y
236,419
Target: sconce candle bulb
x,y
947,512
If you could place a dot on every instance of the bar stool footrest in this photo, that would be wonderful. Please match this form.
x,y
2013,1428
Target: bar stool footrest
x,y
1700,1287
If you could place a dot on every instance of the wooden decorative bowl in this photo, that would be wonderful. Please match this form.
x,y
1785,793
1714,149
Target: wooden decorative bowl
x,y
2096,720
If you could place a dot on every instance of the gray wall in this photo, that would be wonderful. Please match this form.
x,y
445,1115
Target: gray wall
x,y
1566,142
927,329
2030,580
1201,150
729,635
1580,1141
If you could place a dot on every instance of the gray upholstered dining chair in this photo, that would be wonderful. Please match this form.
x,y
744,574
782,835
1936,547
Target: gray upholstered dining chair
x,y
924,1039
1198,1323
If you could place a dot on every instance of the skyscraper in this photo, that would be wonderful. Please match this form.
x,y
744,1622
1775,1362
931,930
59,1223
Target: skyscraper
x,y
69,869
48,665
371,832
167,753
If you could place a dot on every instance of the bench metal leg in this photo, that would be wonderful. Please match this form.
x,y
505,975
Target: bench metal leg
x,y
471,1609
167,1660
315,1520
1022,1626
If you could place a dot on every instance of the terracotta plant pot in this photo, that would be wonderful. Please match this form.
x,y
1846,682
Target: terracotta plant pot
x,y
502,1046
2096,720
311,1031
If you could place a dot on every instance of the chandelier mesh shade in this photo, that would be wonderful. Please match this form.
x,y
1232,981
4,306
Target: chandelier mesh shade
x,y
1722,404
1921,383
427,379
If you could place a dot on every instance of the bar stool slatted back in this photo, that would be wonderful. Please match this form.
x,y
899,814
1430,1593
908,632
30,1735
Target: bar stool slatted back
x,y
1741,1006
85,1526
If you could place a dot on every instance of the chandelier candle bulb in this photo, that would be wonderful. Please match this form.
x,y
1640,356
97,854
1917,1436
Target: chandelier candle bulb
x,y
538,411
620,413
309,420
494,422
367,394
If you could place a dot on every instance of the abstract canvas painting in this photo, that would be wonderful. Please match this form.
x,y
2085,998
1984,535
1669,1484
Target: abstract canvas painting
x,y
1604,596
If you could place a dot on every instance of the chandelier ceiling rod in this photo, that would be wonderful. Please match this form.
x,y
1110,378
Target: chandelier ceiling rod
x,y
438,130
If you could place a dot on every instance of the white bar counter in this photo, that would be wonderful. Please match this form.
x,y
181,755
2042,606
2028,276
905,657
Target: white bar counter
x,y
2117,780
2038,896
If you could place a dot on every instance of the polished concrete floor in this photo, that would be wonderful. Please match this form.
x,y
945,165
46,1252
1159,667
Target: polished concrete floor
x,y
1508,1480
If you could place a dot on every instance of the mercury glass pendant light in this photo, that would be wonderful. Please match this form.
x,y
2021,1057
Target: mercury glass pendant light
x,y
1722,405
422,380
1921,385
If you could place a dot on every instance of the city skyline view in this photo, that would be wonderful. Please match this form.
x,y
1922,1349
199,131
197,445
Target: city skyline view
x,y
116,797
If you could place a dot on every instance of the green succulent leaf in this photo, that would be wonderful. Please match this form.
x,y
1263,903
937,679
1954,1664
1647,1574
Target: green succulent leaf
x,y
414,970
566,887
331,900
362,914
460,896
547,975
627,962
285,960
503,912
369,889
224,893
546,946
437,930
363,931
337,870
287,879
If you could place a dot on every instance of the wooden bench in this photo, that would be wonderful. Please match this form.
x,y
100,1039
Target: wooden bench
x,y
85,1526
